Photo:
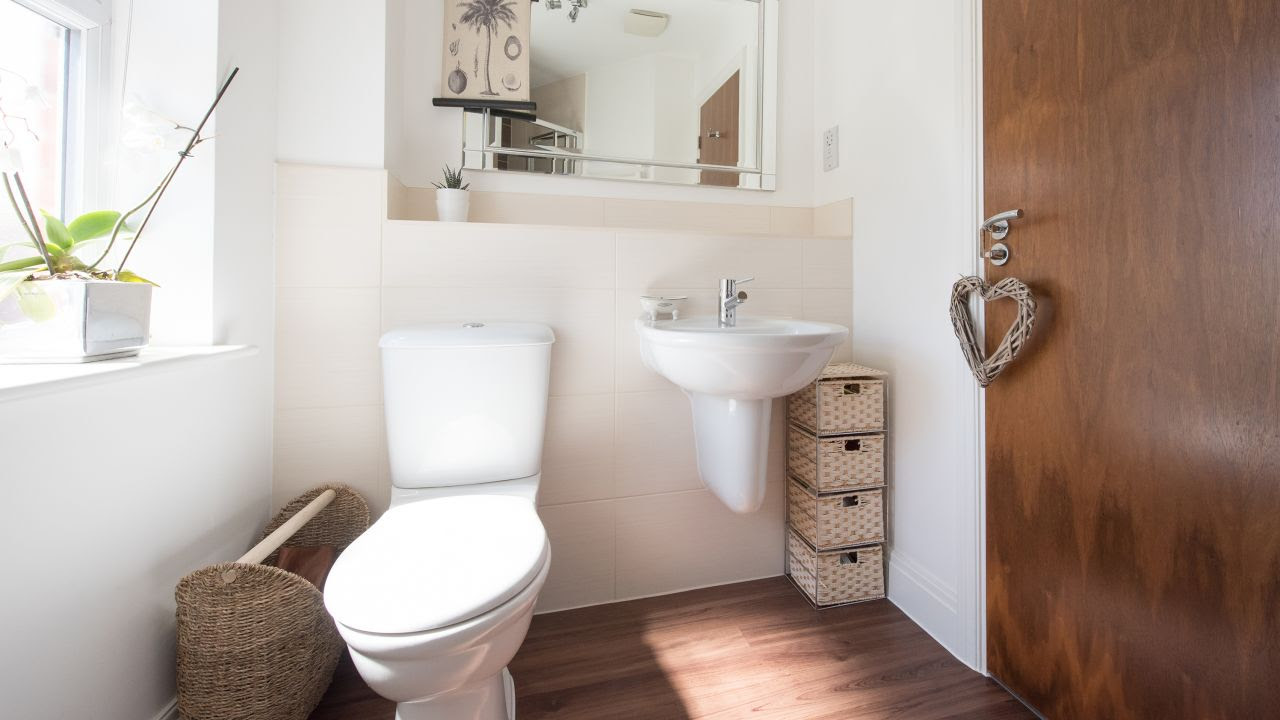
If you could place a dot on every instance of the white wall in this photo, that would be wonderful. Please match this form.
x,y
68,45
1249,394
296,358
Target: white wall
x,y
154,474
898,78
333,90
112,494
433,136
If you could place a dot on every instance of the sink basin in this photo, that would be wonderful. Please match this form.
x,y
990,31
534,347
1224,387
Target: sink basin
x,y
731,376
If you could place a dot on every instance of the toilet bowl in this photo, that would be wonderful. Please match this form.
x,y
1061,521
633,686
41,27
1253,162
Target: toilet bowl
x,y
434,631
436,597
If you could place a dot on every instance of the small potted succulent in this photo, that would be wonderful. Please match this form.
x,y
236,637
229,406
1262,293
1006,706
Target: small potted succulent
x,y
63,300
452,199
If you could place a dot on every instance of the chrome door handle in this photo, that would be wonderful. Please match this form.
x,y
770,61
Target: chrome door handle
x,y
713,134
998,225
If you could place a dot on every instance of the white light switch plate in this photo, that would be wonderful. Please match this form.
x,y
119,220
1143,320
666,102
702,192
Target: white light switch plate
x,y
831,149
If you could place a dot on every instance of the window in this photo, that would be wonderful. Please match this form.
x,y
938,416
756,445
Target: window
x,y
51,74
34,62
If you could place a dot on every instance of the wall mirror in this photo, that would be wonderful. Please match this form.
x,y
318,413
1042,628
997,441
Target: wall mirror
x,y
669,91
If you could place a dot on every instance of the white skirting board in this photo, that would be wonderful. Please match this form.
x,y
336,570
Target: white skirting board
x,y
927,600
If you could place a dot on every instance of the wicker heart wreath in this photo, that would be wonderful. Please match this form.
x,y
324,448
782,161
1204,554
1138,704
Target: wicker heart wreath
x,y
986,369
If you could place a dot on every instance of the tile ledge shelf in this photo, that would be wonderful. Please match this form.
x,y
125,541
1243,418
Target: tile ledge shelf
x,y
22,381
709,232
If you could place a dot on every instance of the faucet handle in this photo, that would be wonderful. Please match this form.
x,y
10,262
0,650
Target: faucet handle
x,y
744,280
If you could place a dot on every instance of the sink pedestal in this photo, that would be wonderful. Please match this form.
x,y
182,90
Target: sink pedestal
x,y
732,439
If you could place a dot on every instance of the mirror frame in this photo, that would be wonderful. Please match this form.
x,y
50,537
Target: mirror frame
x,y
479,128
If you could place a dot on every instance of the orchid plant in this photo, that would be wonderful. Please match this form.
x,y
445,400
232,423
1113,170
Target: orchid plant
x,y
71,249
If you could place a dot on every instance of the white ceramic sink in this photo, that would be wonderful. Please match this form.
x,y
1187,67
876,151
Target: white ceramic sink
x,y
731,376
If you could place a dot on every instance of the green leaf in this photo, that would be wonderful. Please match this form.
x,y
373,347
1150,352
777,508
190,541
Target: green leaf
x,y
21,263
35,303
55,233
92,225
129,276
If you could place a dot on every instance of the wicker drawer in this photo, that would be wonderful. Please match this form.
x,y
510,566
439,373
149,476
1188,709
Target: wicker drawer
x,y
837,463
838,576
840,405
835,521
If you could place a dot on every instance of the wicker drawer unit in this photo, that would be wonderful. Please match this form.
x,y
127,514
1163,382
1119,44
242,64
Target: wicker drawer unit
x,y
835,464
836,577
846,398
828,522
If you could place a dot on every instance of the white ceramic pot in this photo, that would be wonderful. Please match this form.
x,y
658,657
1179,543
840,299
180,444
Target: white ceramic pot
x,y
75,321
452,205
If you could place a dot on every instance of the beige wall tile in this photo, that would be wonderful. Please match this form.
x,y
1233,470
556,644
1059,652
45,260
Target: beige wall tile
x,y
416,254
678,541
790,221
834,220
583,320
828,262
327,347
322,445
834,306
577,460
690,260
328,226
498,207
655,452
416,204
660,215
582,555
397,198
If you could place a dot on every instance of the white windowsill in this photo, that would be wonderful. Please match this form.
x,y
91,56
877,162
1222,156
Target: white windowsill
x,y
19,381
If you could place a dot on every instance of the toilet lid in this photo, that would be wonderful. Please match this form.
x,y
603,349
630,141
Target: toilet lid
x,y
434,563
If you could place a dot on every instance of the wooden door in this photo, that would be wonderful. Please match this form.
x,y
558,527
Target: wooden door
x,y
1133,481
718,133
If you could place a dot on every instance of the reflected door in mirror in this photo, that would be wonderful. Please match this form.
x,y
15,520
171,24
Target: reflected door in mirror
x,y
718,136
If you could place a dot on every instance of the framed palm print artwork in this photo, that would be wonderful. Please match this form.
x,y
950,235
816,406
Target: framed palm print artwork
x,y
486,50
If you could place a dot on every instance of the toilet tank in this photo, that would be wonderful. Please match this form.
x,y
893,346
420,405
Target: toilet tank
x,y
465,403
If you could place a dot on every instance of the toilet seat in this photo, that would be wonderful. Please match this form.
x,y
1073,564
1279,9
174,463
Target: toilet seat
x,y
435,563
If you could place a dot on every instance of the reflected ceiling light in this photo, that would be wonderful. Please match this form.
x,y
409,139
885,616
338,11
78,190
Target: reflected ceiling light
x,y
646,23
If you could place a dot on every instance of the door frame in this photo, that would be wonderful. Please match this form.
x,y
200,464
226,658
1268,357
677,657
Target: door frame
x,y
973,598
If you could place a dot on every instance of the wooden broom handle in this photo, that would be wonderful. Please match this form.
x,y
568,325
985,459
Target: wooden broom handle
x,y
272,542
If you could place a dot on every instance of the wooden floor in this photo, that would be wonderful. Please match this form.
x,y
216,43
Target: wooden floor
x,y
751,650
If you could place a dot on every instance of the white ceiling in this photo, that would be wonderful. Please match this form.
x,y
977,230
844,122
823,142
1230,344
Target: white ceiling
x,y
563,49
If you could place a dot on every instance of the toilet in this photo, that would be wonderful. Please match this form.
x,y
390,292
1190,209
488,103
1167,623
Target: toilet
x,y
436,597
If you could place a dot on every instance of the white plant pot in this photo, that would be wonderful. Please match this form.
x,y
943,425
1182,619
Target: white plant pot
x,y
75,321
452,205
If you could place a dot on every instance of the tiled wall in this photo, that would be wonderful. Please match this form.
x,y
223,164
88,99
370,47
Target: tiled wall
x,y
621,498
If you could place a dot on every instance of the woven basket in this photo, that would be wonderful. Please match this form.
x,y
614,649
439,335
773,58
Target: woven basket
x,y
835,464
836,577
255,642
845,399
828,522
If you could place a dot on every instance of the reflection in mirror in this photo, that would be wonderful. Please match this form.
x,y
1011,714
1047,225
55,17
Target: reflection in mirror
x,y
650,90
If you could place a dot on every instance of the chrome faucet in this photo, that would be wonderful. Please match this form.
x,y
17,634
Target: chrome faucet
x,y
730,298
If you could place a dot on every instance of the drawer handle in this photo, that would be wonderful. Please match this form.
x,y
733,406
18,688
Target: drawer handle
x,y
853,389
853,501
849,559
853,446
